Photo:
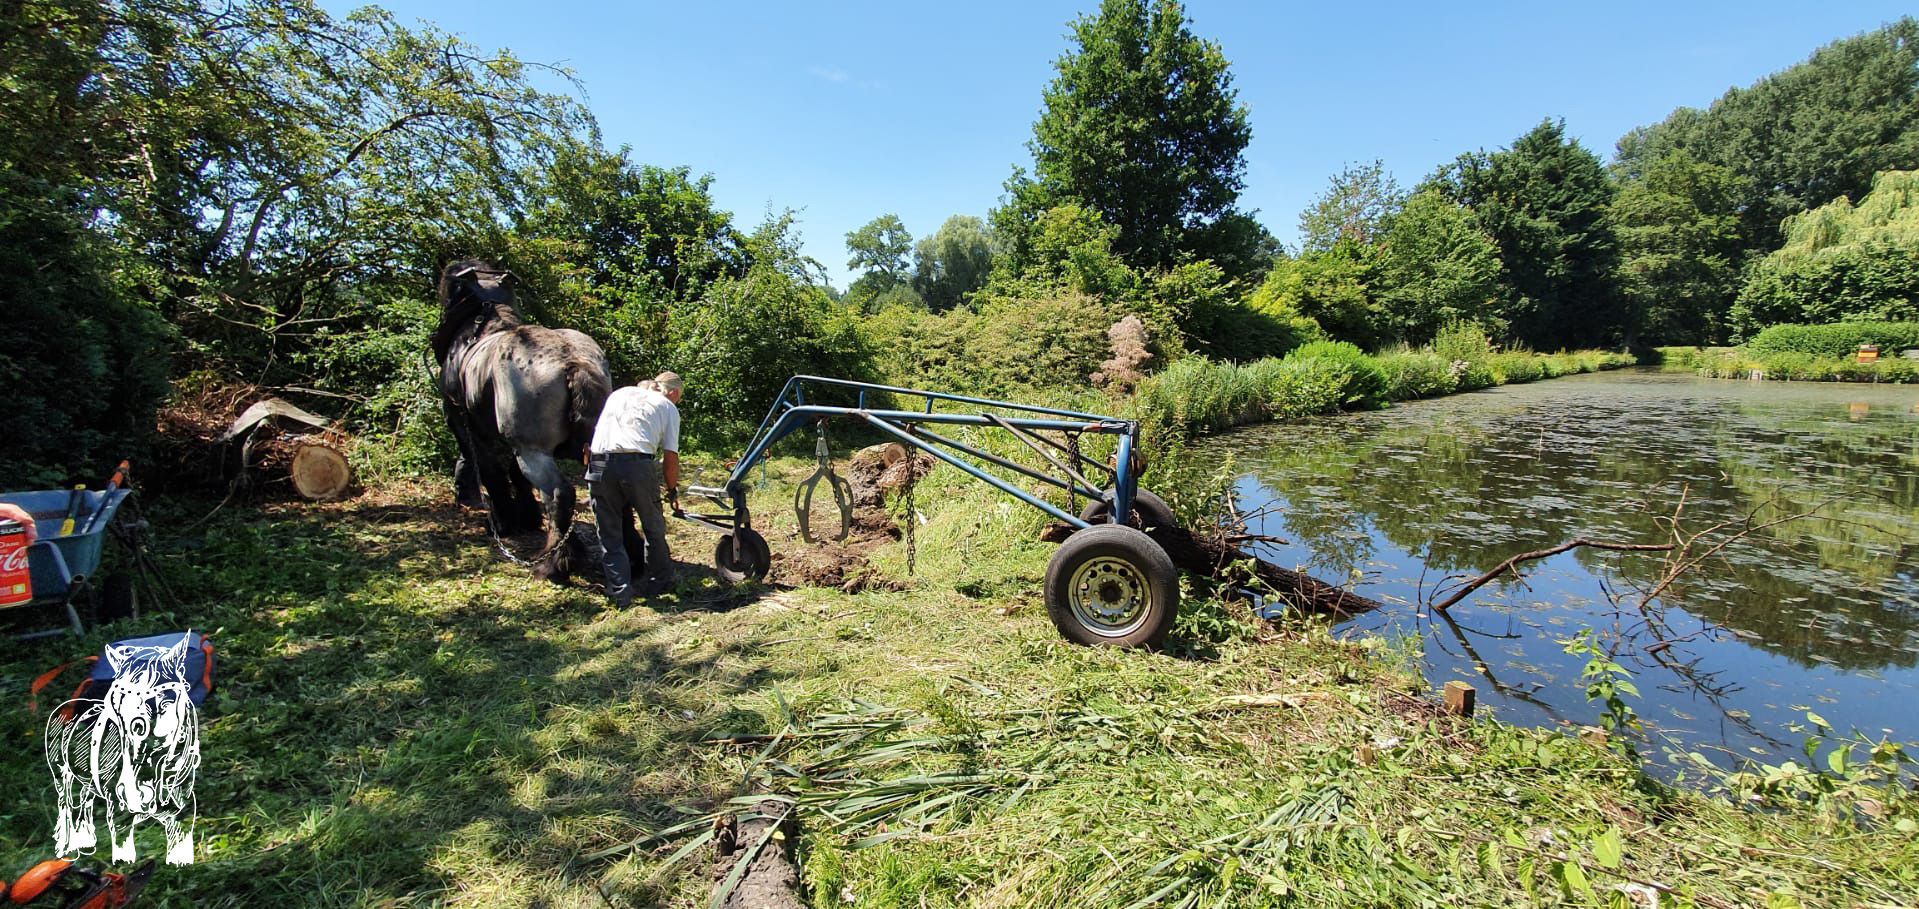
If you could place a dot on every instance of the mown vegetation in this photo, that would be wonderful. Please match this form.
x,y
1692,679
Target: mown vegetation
x,y
404,718
202,204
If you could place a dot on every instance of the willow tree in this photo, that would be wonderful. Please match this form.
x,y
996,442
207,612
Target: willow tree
x,y
1841,262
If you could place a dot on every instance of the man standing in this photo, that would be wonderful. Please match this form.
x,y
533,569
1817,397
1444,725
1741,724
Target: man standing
x,y
638,432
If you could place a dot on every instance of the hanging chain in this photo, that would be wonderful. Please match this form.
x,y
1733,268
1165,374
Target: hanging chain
x,y
911,519
1072,458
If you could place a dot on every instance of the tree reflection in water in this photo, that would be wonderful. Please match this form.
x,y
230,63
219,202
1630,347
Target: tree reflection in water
x,y
1819,607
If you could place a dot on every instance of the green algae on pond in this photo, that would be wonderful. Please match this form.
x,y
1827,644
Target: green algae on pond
x,y
1818,612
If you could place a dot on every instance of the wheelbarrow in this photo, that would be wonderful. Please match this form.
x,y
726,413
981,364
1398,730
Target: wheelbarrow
x,y
63,567
1108,584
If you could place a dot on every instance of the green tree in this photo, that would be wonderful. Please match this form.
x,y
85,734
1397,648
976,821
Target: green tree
x,y
1679,249
1330,288
1141,125
1357,206
1841,262
1436,267
881,249
1805,135
953,263
1544,202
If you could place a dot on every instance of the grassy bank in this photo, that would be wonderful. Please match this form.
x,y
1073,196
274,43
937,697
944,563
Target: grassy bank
x,y
1794,366
1325,377
405,719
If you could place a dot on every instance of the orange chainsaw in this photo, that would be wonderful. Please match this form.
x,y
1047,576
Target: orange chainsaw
x,y
60,884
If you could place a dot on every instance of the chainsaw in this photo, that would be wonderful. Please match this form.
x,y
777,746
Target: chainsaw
x,y
60,884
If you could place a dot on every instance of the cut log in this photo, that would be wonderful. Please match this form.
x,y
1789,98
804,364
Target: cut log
x,y
320,472
756,868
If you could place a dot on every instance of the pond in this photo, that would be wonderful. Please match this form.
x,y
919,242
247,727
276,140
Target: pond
x,y
1809,492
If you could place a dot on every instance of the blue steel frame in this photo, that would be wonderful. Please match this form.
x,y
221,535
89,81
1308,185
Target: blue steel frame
x,y
790,413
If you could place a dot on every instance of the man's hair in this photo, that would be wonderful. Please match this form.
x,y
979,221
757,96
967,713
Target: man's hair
x,y
669,381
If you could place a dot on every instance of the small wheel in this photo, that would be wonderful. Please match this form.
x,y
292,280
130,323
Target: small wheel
x,y
1149,511
747,562
1111,585
117,599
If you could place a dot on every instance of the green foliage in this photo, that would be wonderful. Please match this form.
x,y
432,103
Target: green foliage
x,y
1680,250
1544,202
880,248
1862,780
1357,207
1414,374
1805,135
1435,267
953,263
1360,382
1142,126
1840,339
737,347
1608,684
1841,263
83,358
1011,344
1328,288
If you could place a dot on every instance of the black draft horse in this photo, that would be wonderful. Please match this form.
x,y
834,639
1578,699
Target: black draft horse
x,y
516,396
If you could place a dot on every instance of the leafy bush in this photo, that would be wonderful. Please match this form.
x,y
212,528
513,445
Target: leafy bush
x,y
1837,339
1362,382
1416,374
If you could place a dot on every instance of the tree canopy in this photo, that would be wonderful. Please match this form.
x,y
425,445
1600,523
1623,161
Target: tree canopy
x,y
1142,126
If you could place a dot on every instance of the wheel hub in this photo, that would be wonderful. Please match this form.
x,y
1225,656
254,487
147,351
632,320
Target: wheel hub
x,y
1110,595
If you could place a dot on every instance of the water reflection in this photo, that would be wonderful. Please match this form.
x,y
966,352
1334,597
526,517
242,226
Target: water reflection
x,y
1804,499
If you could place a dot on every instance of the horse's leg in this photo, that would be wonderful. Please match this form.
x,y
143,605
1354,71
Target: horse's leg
x,y
179,839
123,851
529,495
466,477
556,497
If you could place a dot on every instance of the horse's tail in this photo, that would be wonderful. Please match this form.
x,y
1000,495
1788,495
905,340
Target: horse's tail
x,y
587,386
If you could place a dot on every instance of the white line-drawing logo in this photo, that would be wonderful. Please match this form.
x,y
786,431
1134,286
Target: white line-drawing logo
x,y
136,749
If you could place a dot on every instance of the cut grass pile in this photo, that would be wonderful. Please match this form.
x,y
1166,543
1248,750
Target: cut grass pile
x,y
405,719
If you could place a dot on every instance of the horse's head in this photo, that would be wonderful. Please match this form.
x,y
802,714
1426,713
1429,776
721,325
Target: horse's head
x,y
476,295
149,701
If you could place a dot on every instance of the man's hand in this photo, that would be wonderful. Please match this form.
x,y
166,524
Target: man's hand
x,y
11,512
673,502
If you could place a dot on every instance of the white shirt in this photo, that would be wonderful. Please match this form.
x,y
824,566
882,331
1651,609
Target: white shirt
x,y
637,419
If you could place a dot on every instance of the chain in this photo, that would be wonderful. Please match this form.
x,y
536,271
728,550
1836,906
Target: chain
x,y
911,514
1072,453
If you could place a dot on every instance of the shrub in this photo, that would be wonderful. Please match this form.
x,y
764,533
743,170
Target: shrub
x,y
1362,382
1416,374
1836,339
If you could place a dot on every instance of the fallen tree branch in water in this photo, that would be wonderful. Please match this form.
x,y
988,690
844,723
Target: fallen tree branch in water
x,y
1509,564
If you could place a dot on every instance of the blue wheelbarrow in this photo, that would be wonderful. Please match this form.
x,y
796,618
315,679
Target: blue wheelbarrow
x,y
63,567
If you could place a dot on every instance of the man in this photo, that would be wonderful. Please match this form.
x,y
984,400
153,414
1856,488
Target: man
x,y
638,434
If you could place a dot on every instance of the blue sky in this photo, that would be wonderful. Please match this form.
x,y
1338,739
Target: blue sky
x,y
845,111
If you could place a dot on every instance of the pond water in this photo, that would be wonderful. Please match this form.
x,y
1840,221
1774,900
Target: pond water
x,y
1818,611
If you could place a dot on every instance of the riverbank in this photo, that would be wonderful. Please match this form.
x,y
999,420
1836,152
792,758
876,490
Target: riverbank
x,y
404,718
1791,366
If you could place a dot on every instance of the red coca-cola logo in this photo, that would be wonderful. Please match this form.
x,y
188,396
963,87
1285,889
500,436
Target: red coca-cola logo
x,y
14,560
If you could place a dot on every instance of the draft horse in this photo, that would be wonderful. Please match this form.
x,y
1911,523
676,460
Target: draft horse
x,y
516,396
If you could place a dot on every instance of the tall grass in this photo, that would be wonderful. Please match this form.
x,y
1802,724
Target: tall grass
x,y
1199,395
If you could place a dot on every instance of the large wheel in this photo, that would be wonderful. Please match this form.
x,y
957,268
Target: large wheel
x,y
748,561
1149,511
1111,585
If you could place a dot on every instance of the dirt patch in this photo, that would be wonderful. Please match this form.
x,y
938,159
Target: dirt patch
x,y
845,565
875,474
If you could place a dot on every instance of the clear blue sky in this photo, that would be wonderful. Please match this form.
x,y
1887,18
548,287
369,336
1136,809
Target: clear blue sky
x,y
845,111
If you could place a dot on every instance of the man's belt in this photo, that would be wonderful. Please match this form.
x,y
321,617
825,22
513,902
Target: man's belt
x,y
618,455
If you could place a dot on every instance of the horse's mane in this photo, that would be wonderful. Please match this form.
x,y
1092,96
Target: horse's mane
x,y
461,304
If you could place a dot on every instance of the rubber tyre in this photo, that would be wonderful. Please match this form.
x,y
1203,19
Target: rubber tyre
x,y
116,599
749,564
1112,586
1149,511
